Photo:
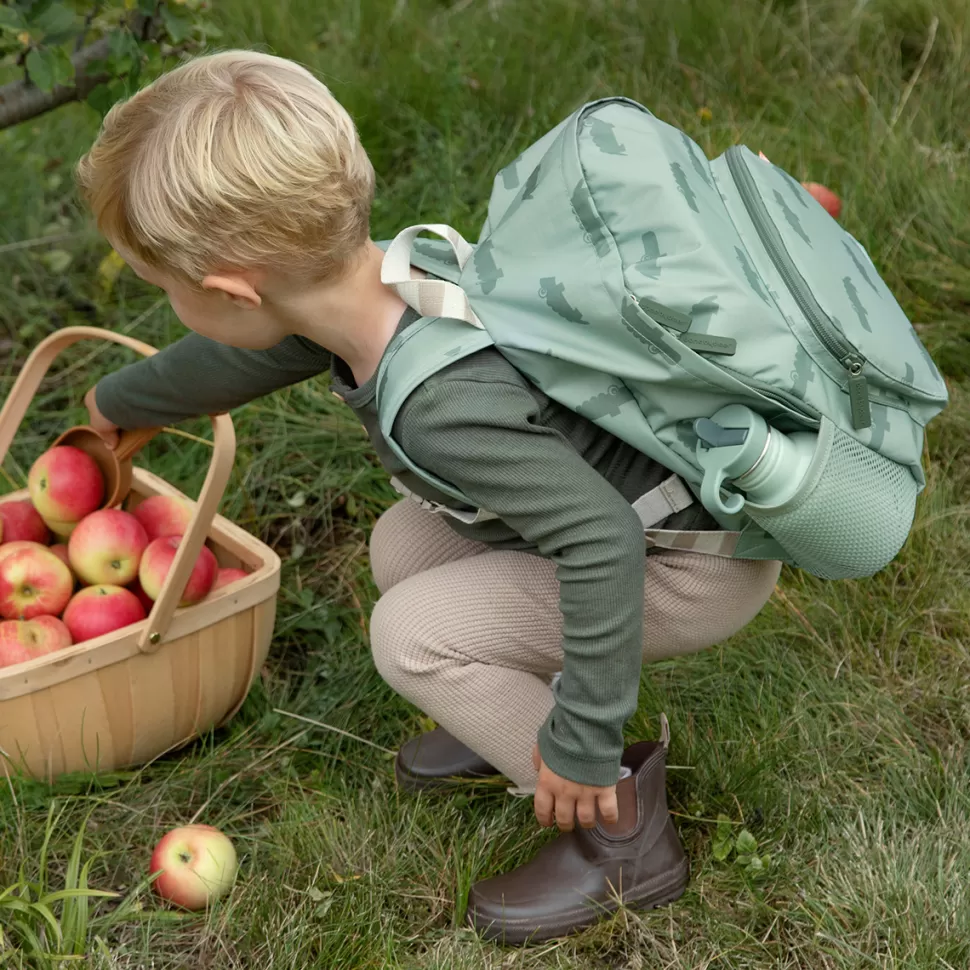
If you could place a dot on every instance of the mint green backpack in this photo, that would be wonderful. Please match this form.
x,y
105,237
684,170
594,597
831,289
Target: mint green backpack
x,y
655,292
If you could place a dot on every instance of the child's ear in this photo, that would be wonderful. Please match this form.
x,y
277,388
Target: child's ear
x,y
235,287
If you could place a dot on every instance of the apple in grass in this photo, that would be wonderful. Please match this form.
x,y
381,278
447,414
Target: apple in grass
x,y
106,547
157,560
163,515
196,864
96,610
227,576
825,197
65,485
20,521
22,640
33,582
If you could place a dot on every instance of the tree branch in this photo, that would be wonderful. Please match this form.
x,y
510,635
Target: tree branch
x,y
20,100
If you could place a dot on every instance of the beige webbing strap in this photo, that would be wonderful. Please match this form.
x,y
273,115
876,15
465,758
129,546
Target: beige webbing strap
x,y
431,298
710,543
469,518
670,496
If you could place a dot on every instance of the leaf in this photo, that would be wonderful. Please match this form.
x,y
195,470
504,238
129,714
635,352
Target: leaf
x,y
122,43
351,506
101,99
755,865
11,19
297,500
109,269
56,20
317,895
177,25
48,67
297,550
211,31
747,844
40,69
57,260
724,828
103,96
721,849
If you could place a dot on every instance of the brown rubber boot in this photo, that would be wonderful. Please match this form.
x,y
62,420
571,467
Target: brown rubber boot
x,y
583,875
438,760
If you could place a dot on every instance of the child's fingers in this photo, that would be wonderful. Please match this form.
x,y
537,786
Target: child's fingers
x,y
586,811
607,806
565,813
543,804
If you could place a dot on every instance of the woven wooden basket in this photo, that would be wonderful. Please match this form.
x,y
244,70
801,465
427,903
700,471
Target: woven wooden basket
x,y
125,698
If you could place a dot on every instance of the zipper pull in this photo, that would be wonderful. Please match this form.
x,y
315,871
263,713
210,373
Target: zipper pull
x,y
858,395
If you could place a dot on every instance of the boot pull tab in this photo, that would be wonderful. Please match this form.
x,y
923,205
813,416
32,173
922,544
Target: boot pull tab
x,y
664,731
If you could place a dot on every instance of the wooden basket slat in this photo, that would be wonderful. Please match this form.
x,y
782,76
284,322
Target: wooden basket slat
x,y
112,683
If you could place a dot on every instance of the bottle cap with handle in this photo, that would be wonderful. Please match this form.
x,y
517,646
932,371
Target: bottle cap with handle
x,y
736,445
728,445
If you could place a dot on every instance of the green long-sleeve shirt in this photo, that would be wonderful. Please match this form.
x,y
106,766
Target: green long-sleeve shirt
x,y
561,487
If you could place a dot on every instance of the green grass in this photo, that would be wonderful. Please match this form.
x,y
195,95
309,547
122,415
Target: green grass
x,y
835,728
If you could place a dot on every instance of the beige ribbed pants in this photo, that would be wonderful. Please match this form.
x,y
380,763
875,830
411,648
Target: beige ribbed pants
x,y
473,635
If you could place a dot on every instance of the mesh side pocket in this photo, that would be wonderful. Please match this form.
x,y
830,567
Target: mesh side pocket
x,y
852,514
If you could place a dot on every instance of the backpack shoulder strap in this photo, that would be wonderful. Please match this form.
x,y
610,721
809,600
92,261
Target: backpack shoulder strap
x,y
423,349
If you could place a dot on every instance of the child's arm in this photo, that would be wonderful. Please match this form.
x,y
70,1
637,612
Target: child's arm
x,y
483,436
197,376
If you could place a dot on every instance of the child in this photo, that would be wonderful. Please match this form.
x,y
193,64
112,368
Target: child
x,y
238,185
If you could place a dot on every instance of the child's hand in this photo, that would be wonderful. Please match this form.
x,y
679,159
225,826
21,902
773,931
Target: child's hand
x,y
565,801
104,427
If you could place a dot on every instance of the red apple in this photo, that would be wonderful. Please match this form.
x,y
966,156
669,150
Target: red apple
x,y
96,610
196,865
226,576
163,515
33,581
22,640
9,548
143,598
106,547
60,550
65,485
825,197
19,520
157,561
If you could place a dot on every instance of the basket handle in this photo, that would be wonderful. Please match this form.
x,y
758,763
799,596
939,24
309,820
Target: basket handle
x,y
213,488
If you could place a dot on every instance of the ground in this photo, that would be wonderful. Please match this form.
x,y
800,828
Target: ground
x,y
835,729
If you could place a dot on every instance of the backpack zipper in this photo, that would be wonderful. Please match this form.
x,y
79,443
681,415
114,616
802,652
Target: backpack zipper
x,y
830,337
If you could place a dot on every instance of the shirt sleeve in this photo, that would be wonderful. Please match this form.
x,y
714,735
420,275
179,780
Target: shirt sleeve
x,y
197,376
483,437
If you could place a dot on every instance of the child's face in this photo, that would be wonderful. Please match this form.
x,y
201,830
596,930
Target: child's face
x,y
228,308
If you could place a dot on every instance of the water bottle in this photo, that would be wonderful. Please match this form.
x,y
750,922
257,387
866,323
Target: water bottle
x,y
737,446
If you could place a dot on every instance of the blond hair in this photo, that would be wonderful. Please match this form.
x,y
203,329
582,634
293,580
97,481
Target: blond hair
x,y
232,160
